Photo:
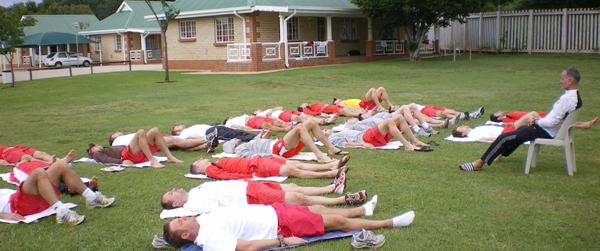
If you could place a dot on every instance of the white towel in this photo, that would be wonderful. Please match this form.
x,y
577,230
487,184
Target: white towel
x,y
34,217
139,165
339,128
392,145
177,212
278,179
6,177
489,122
300,156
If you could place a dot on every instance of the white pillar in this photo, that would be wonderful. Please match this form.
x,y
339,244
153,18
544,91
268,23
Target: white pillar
x,y
39,56
329,29
565,18
143,40
281,31
369,29
123,47
49,49
31,56
68,47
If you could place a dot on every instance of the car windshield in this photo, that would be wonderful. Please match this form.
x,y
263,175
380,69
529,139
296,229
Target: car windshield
x,y
72,54
51,55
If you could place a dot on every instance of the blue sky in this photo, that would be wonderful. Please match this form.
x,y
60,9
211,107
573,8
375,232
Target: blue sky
x,y
8,3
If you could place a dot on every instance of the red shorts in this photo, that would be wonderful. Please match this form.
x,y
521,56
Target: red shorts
x,y
331,109
374,137
28,204
255,122
138,157
268,167
265,193
431,111
298,221
14,154
286,116
279,149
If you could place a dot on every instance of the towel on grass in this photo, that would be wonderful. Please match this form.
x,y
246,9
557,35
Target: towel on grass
x,y
273,178
138,165
176,212
300,156
42,214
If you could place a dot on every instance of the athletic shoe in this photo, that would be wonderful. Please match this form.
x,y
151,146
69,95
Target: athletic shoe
x,y
477,113
431,131
367,239
69,216
422,132
99,200
212,141
159,242
339,182
356,198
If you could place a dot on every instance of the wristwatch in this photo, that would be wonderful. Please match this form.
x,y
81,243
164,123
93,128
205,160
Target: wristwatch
x,y
281,241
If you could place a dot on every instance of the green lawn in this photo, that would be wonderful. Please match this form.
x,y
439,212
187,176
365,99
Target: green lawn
x,y
496,209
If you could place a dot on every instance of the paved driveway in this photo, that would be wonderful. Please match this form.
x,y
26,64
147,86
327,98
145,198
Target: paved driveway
x,y
23,75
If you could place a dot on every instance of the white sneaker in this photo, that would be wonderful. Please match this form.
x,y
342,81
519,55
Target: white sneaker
x,y
367,239
422,132
99,201
69,216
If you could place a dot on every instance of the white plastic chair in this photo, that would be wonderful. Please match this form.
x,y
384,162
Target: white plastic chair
x,y
563,138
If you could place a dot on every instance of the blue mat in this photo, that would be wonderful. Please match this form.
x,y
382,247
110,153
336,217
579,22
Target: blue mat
x,y
309,240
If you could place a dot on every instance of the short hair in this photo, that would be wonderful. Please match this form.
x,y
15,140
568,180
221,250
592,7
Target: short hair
x,y
173,237
494,118
173,131
192,169
574,73
89,150
300,109
166,204
111,139
457,134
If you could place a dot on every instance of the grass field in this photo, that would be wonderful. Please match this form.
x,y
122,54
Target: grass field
x,y
495,209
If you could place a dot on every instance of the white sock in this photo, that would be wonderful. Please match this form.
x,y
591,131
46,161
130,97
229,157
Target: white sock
x,y
404,220
57,206
415,128
425,125
88,194
370,206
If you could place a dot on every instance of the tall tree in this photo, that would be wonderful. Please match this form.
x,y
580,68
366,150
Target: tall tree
x,y
11,34
169,14
415,17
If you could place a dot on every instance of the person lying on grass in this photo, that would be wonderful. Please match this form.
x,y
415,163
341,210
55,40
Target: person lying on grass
x,y
257,227
290,145
192,144
247,168
40,192
12,155
290,116
140,149
371,101
249,123
22,170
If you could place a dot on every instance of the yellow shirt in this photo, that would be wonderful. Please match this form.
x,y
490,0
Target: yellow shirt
x,y
351,103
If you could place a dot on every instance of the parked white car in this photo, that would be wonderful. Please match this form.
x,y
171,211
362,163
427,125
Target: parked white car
x,y
63,58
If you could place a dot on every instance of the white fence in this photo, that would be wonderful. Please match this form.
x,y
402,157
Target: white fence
x,y
389,47
238,52
271,51
562,30
307,50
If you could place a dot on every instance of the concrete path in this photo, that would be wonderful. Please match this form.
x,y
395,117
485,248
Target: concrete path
x,y
23,75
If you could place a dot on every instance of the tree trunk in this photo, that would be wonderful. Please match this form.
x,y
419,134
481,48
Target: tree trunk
x,y
415,38
166,56
12,71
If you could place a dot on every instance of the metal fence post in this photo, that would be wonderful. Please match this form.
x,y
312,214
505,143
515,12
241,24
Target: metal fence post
x,y
92,69
70,71
129,64
30,74
530,33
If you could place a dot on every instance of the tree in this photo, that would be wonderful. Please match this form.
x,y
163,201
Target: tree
x,y
169,14
11,34
416,17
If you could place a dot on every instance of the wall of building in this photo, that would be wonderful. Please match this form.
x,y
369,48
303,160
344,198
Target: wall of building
x,y
343,47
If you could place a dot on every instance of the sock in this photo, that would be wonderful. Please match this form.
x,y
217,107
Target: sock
x,y
88,194
58,206
467,117
370,206
425,125
415,128
404,219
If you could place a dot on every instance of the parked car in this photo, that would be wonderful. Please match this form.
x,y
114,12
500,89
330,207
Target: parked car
x,y
62,58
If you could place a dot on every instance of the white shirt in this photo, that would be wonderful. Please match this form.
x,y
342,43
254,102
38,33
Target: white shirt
x,y
238,121
5,200
566,103
123,140
221,229
210,195
276,114
419,107
485,132
194,131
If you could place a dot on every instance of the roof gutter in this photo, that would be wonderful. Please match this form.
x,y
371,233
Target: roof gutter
x,y
285,36
235,12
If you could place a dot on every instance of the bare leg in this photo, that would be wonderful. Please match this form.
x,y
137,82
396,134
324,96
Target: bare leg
x,y
293,171
389,125
382,93
307,190
69,157
586,124
338,222
61,171
155,137
313,167
43,156
139,142
275,127
314,128
407,131
186,144
300,133
38,184
345,212
296,198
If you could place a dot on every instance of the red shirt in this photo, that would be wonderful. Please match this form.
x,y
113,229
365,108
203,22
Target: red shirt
x,y
512,117
2,148
314,109
232,168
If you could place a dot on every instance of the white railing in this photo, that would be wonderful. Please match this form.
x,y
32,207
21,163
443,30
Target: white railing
x,y
389,47
153,54
271,51
560,30
135,55
307,50
238,52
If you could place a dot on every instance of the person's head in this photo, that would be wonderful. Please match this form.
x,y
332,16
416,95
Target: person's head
x,y
302,106
199,166
569,79
230,145
113,136
93,148
497,116
174,198
176,130
461,131
336,101
181,231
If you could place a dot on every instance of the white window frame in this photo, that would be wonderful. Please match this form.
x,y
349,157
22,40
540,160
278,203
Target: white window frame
x,y
187,29
118,42
224,30
349,29
293,31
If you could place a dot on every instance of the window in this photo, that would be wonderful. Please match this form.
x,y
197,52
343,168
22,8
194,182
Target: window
x,y
187,30
98,42
349,29
118,42
224,30
292,29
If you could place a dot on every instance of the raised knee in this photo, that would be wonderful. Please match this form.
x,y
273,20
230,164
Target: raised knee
x,y
141,132
154,130
300,198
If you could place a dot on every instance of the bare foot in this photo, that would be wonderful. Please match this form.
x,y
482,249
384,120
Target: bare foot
x,y
589,124
94,182
157,165
324,159
266,134
421,144
70,156
175,160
